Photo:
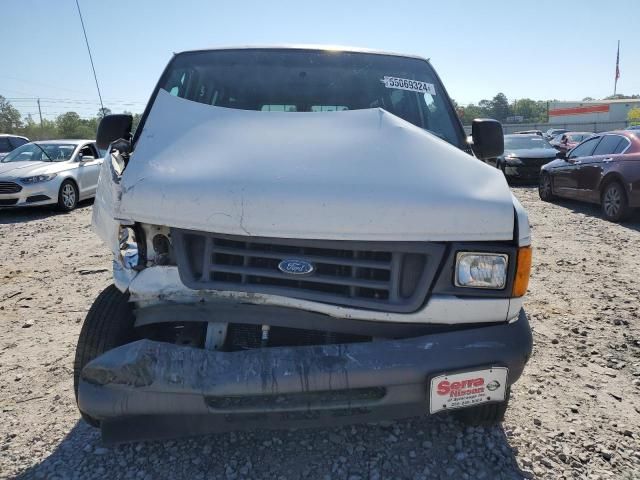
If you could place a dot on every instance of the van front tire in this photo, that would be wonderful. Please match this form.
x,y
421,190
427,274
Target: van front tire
x,y
108,325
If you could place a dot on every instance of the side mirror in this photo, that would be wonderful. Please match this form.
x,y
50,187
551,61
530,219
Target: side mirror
x,y
112,128
488,138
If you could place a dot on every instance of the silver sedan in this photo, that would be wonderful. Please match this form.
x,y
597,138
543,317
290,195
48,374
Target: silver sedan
x,y
60,172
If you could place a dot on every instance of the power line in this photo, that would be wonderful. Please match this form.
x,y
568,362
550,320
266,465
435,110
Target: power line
x,y
90,57
70,100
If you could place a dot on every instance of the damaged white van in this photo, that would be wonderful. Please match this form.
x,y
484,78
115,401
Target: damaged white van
x,y
301,236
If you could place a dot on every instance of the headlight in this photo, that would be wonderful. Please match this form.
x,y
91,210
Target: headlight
x,y
38,178
128,247
481,270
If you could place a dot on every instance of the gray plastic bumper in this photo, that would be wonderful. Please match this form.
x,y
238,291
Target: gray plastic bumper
x,y
149,389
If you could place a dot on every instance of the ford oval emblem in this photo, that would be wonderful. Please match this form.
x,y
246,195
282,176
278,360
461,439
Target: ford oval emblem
x,y
296,267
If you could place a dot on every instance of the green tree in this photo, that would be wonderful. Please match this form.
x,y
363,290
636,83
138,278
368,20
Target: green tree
x,y
500,108
621,96
136,121
69,125
10,121
470,112
634,116
526,108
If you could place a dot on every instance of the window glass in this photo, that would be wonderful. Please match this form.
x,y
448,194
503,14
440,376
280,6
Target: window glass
x,y
521,142
607,145
584,149
5,146
328,108
278,108
624,143
17,141
87,151
45,152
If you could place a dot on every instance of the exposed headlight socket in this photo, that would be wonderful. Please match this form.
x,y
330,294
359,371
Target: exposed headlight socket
x,y
162,248
127,239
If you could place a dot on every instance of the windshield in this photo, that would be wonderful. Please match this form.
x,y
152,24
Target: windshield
x,y
315,81
41,152
519,142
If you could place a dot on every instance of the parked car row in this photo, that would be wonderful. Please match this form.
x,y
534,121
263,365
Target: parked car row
x,y
604,169
54,172
554,132
601,168
568,140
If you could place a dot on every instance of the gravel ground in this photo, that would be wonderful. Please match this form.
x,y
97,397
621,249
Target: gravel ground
x,y
574,414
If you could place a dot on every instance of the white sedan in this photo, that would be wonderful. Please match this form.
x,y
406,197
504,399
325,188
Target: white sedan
x,y
60,172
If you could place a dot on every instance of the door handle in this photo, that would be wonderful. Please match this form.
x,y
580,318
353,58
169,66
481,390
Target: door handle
x,y
608,159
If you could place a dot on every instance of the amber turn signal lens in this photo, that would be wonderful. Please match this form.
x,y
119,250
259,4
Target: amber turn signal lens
x,y
523,270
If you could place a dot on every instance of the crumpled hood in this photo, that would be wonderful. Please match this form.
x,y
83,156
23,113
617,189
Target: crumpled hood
x,y
357,175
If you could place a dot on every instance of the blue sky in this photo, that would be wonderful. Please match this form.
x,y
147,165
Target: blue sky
x,y
542,50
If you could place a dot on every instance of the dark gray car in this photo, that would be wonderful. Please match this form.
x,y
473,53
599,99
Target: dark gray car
x,y
523,157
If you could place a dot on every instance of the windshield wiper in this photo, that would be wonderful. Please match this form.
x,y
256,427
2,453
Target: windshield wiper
x,y
43,151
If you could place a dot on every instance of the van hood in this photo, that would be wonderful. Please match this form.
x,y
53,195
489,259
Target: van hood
x,y
356,175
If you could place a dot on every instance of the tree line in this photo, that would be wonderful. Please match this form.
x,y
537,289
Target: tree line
x,y
524,110
67,125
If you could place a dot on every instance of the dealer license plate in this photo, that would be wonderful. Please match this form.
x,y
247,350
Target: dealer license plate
x,y
459,390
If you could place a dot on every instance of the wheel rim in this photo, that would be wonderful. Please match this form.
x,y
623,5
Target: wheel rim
x,y
68,195
612,201
546,186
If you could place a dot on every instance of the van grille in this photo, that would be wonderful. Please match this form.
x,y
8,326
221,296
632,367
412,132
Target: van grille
x,y
9,187
389,276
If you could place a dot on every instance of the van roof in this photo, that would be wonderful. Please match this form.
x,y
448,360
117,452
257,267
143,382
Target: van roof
x,y
332,48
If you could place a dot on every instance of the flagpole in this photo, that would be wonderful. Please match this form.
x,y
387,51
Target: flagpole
x,y
615,83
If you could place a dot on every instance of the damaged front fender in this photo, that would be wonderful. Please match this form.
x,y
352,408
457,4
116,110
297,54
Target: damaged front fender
x,y
106,218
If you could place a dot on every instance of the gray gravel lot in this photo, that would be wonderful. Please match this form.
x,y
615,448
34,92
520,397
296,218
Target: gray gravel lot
x,y
574,414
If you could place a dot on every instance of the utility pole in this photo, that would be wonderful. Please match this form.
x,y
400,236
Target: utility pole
x,y
40,112
547,111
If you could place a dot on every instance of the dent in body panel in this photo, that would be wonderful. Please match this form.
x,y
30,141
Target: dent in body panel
x,y
278,174
161,284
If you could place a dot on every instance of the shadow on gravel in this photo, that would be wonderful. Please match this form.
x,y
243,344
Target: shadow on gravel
x,y
423,448
633,223
588,209
30,214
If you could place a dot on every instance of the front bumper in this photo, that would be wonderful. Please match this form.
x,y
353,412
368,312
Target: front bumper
x,y
149,389
30,195
523,172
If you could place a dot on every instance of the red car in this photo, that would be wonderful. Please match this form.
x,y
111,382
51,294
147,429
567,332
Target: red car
x,y
569,140
604,169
